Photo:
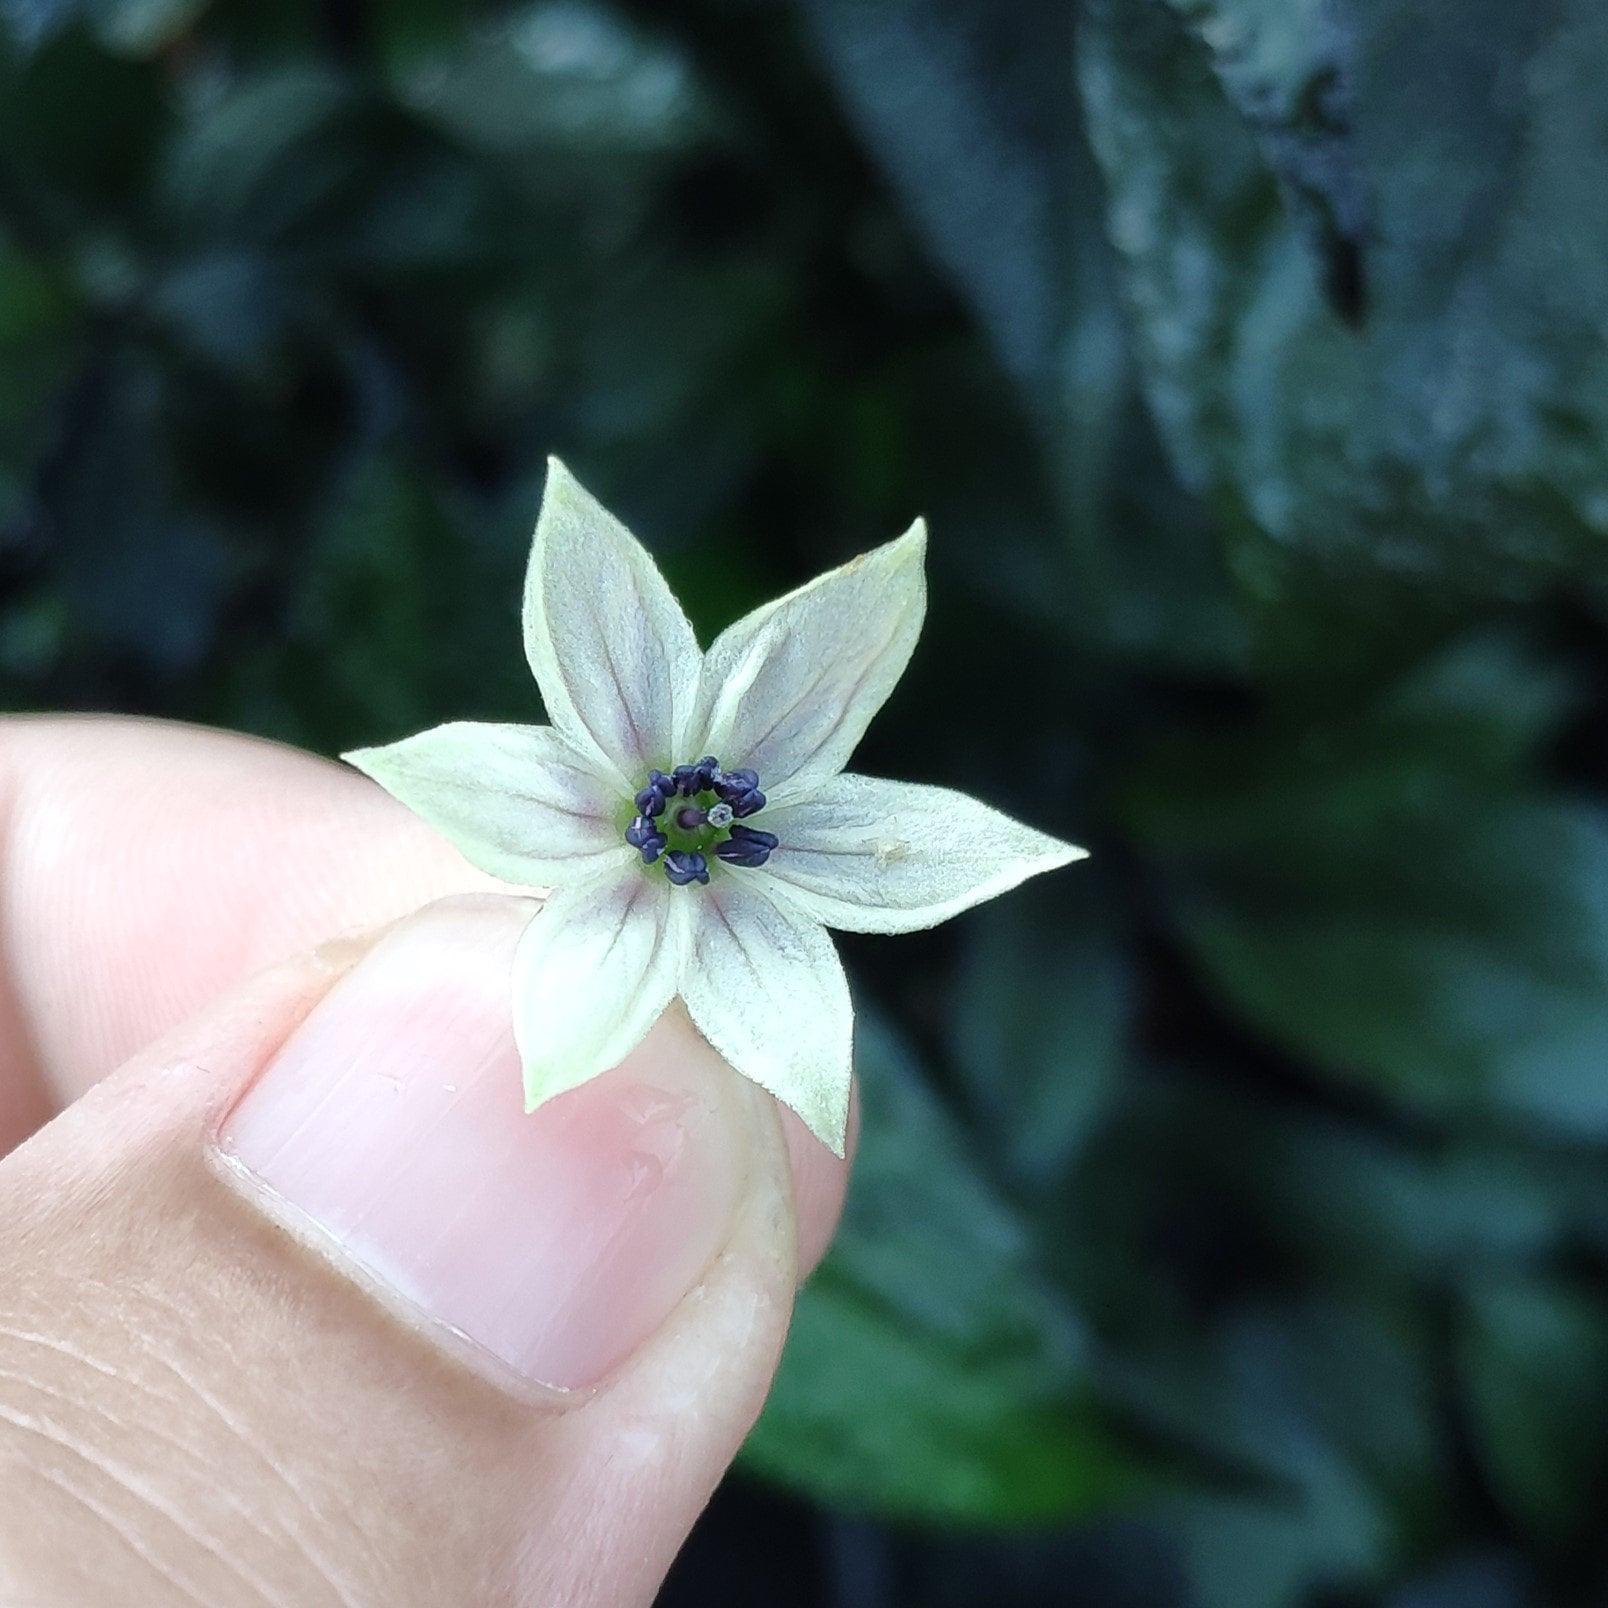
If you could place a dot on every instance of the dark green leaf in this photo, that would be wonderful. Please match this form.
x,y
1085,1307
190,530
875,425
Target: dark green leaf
x,y
1534,1361
1041,1027
1364,245
1326,1408
562,80
1372,896
932,1369
967,109
79,128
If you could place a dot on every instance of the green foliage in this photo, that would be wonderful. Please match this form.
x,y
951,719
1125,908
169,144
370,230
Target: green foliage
x,y
935,1369
1369,272
1238,1196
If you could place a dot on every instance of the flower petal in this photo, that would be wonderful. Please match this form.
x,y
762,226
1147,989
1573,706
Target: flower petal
x,y
764,985
789,689
593,971
614,655
517,801
867,855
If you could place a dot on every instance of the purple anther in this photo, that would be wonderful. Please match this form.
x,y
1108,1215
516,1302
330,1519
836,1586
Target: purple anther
x,y
663,784
705,772
749,803
645,837
747,846
686,779
731,785
685,865
650,801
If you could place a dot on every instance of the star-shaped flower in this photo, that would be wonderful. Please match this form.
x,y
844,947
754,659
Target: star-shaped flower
x,y
693,816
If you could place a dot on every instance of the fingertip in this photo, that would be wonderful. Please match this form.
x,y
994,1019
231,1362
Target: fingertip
x,y
820,1183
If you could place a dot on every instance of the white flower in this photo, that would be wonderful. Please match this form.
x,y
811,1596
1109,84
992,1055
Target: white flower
x,y
715,881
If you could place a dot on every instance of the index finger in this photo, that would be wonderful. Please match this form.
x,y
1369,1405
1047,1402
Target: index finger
x,y
144,867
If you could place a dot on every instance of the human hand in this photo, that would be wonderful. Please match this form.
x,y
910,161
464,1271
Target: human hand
x,y
287,1285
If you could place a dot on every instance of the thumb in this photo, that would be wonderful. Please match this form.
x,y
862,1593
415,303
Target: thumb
x,y
299,1306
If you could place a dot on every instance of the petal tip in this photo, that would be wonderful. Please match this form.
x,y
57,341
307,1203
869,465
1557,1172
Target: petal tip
x,y
537,1083
562,486
831,1128
361,759
912,546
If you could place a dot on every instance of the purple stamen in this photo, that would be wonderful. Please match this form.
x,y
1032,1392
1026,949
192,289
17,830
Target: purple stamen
x,y
645,837
733,784
747,846
686,865
738,795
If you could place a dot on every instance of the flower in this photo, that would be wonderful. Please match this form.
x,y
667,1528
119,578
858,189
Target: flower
x,y
692,815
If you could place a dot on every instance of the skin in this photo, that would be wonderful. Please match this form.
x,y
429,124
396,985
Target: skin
x,y
197,1407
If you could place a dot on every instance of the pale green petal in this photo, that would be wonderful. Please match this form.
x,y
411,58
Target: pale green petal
x,y
789,690
615,658
764,985
592,973
517,801
867,855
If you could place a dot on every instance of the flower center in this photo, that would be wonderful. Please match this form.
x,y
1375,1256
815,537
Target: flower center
x,y
685,815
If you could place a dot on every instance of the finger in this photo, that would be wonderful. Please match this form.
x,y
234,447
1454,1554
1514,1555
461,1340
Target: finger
x,y
300,1307
145,867
148,866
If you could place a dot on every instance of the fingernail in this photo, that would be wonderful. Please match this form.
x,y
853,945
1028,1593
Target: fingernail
x,y
391,1125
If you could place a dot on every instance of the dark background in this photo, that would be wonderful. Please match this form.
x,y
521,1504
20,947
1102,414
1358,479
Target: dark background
x,y
1232,1214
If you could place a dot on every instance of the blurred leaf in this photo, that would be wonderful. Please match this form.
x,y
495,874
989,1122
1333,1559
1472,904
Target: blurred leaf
x,y
1360,1208
39,338
1373,896
1485,705
78,130
564,79
1534,1360
138,27
141,27
1414,385
1328,1409
144,574
932,1371
369,645
1042,1018
967,109
272,160
231,307
1490,1580
1456,955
